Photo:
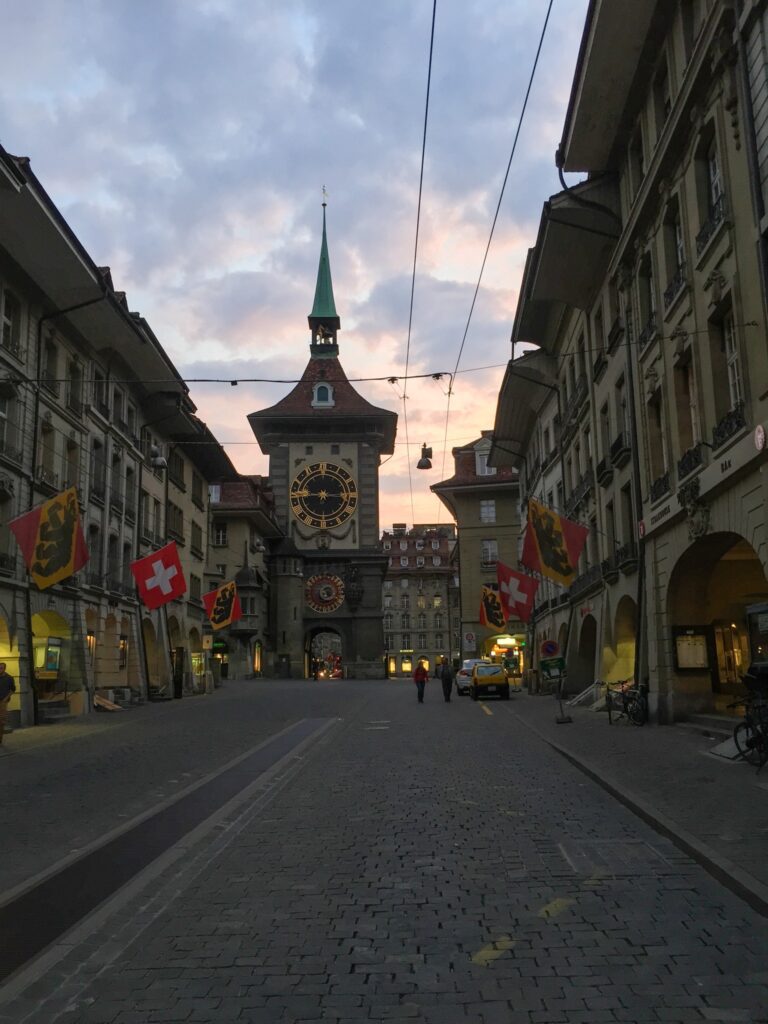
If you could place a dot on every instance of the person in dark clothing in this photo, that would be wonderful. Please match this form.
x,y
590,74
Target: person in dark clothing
x,y
446,678
420,677
7,687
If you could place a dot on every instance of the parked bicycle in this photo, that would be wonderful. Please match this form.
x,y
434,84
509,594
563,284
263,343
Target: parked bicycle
x,y
627,701
751,735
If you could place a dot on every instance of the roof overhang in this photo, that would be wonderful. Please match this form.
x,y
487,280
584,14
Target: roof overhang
x,y
578,232
615,33
529,382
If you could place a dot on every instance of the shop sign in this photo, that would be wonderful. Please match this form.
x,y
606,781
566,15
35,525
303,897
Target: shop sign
x,y
552,667
208,642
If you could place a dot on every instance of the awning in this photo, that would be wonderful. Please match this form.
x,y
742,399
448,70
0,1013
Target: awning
x,y
615,33
529,382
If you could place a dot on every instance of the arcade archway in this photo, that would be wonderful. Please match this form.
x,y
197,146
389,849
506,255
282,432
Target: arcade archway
x,y
581,663
324,657
711,588
619,656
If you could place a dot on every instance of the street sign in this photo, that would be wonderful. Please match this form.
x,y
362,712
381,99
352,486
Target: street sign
x,y
549,648
552,667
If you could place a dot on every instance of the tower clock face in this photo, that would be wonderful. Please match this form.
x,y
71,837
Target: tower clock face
x,y
323,495
324,593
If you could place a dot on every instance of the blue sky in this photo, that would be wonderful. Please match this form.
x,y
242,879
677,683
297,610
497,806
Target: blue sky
x,y
186,142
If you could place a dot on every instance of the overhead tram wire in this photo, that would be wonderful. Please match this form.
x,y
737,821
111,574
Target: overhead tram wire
x,y
434,375
415,252
495,218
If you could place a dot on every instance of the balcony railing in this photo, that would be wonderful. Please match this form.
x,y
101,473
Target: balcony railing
x,y
710,225
47,476
626,557
577,398
74,405
675,286
599,365
587,581
621,450
660,487
689,461
98,490
116,501
11,345
609,568
7,564
730,424
647,333
615,334
130,510
50,383
604,472
102,407
123,427
584,487
9,449
94,579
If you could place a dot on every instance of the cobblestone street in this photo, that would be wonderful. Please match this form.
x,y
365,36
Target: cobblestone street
x,y
433,863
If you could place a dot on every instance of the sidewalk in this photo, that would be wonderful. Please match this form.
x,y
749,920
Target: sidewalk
x,y
717,810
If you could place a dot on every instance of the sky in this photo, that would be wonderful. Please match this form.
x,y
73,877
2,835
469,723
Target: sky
x,y
187,143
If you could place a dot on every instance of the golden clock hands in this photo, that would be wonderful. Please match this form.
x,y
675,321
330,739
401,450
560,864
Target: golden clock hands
x,y
301,494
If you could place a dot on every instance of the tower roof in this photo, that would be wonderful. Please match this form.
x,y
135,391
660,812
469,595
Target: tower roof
x,y
324,307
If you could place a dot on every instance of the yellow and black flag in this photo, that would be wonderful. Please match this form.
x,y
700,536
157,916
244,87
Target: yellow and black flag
x,y
222,606
51,539
552,544
491,611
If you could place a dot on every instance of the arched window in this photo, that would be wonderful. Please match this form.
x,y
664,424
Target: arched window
x,y
322,396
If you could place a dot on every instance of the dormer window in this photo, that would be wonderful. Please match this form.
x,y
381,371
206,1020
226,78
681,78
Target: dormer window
x,y
322,396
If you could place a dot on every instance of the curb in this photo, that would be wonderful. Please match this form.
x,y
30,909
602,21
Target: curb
x,y
725,871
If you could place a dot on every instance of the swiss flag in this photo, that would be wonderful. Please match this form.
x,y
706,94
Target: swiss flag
x,y
159,576
516,591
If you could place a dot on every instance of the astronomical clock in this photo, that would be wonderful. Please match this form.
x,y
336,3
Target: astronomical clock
x,y
323,495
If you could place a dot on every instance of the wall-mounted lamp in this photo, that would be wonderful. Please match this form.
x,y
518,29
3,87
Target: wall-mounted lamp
x,y
90,643
425,460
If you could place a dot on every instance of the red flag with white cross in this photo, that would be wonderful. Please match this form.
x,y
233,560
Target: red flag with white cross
x,y
516,592
159,576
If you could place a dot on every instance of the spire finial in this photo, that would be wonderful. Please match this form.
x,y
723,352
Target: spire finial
x,y
325,196
324,320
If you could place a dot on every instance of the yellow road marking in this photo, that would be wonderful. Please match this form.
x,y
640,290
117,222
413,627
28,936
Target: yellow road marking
x,y
597,877
493,951
554,908
486,709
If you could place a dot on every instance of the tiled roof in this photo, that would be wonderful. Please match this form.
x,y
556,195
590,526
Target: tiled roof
x,y
346,399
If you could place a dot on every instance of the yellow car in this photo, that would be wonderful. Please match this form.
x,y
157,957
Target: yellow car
x,y
487,679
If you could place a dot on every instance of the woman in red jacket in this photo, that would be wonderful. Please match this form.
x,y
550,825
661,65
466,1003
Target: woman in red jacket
x,y
420,677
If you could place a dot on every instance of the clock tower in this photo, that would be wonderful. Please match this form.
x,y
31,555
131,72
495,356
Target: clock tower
x,y
325,442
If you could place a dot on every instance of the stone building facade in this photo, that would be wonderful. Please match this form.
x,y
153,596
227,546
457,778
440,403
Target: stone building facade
x,y
646,290
89,399
417,596
485,504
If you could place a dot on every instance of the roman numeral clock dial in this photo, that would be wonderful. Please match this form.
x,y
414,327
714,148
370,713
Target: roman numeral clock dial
x,y
323,496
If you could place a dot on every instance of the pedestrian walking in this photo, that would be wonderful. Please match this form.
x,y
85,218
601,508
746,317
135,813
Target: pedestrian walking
x,y
420,677
7,687
446,678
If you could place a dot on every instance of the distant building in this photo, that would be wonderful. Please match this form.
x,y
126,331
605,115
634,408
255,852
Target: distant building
x,y
485,503
417,596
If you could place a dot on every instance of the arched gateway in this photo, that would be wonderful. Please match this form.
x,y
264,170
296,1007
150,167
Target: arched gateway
x,y
717,610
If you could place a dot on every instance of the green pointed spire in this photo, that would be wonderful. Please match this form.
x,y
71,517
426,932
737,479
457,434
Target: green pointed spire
x,y
324,308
